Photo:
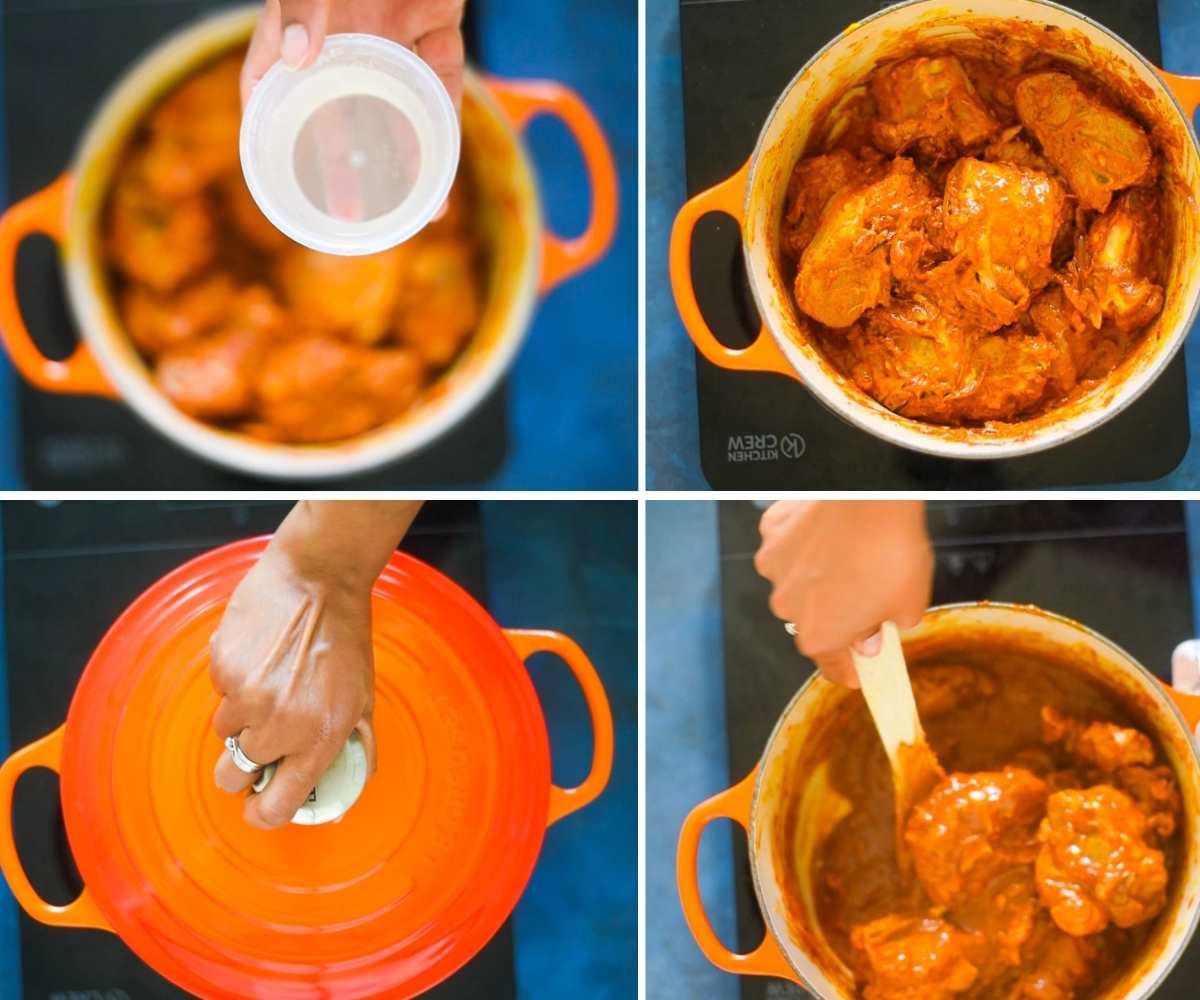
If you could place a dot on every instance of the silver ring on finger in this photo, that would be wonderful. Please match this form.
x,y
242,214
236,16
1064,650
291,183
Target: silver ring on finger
x,y
240,760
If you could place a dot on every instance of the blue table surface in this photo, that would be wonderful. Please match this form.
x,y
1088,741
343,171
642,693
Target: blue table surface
x,y
573,389
672,436
575,926
686,746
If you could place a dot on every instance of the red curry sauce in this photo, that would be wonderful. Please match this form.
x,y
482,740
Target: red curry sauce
x,y
1042,862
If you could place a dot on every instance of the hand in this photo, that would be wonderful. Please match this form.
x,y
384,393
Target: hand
x,y
292,660
840,568
295,30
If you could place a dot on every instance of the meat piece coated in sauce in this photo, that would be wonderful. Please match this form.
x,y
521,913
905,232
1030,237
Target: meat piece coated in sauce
x,y
318,388
971,828
1111,274
438,305
1096,148
1004,219
930,103
212,377
193,133
813,184
1095,865
158,241
1057,965
355,296
917,958
846,268
157,322
1100,744
943,687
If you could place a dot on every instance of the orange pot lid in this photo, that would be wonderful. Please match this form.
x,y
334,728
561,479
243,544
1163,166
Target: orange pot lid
x,y
392,899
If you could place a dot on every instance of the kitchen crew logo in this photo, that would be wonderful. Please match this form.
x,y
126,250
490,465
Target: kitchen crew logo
x,y
765,447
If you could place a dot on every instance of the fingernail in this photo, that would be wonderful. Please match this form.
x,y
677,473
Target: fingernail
x,y
295,45
871,645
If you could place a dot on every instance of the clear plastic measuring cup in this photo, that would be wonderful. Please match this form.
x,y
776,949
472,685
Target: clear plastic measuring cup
x,y
354,154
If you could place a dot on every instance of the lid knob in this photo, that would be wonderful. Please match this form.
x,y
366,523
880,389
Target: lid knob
x,y
336,790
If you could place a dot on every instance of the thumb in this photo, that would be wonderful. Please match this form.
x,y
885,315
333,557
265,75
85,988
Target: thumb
x,y
304,24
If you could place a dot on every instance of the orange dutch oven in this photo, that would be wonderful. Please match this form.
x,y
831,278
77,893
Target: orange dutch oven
x,y
524,260
792,779
754,197
401,892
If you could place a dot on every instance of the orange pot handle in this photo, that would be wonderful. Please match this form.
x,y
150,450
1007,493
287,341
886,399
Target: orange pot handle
x,y
1188,704
83,912
564,801
1186,90
43,212
733,803
524,100
763,355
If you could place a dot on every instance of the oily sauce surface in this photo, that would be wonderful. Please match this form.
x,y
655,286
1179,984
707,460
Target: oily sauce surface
x,y
976,235
247,330
1041,862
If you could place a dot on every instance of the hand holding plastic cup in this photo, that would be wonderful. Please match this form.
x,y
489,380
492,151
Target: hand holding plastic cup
x,y
356,152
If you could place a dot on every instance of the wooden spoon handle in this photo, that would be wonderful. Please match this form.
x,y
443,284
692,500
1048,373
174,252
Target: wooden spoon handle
x,y
889,694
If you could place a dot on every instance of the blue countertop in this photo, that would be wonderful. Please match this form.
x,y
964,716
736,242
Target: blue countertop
x,y
672,438
573,388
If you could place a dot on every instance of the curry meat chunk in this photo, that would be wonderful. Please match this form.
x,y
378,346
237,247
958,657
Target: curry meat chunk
x,y
439,302
1081,350
916,958
845,270
942,687
1103,745
1156,792
158,241
929,102
193,133
1111,274
318,388
919,359
1094,866
1011,370
212,376
814,181
1004,914
1010,147
906,356
247,218
354,296
157,322
1056,965
971,828
1097,149
1004,219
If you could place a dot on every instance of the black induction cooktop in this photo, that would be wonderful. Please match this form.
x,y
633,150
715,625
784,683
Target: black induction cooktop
x,y
1121,566
59,59
737,58
84,562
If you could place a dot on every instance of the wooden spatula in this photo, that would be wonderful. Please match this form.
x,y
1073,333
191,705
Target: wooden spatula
x,y
889,694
